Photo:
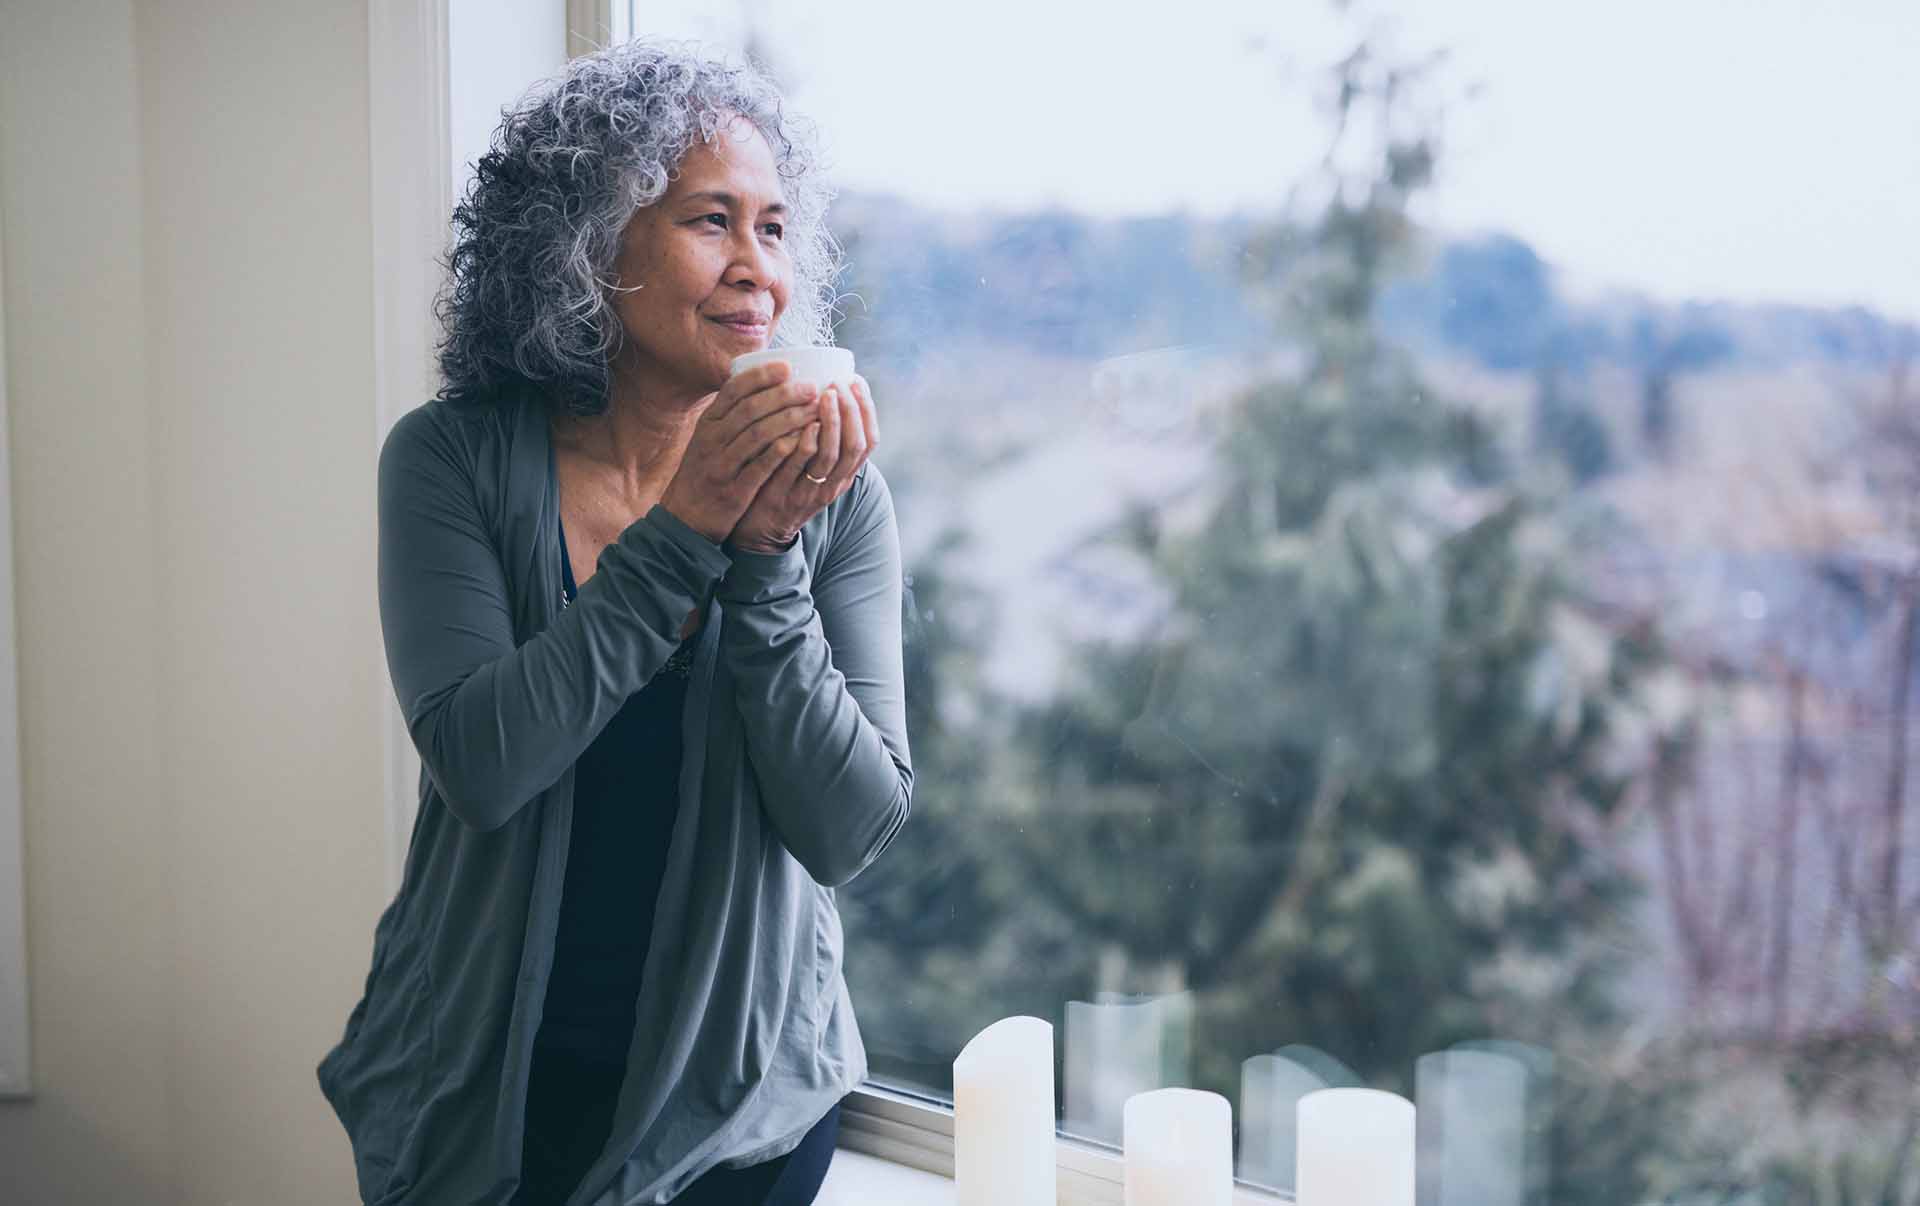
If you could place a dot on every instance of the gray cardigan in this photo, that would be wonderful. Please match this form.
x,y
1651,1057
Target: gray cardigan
x,y
796,775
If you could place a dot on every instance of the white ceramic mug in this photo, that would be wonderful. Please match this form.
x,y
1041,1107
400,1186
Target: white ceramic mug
x,y
822,366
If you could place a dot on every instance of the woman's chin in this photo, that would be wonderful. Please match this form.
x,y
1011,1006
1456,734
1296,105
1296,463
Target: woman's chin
x,y
724,355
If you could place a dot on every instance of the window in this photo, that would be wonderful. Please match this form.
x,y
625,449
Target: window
x,y
1413,576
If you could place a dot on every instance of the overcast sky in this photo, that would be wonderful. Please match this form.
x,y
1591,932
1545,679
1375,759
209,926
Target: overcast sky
x,y
1713,149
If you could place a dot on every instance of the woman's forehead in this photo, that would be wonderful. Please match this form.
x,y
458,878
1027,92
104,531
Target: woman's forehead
x,y
737,160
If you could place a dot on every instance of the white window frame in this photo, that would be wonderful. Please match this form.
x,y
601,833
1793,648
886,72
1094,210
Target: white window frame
x,y
16,1044
411,162
592,24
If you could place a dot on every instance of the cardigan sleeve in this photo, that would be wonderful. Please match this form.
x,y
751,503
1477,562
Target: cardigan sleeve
x,y
816,662
496,723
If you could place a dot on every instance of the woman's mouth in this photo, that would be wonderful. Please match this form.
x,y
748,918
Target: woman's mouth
x,y
746,327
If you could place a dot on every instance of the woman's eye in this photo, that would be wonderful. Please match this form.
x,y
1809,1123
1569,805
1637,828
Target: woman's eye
x,y
719,222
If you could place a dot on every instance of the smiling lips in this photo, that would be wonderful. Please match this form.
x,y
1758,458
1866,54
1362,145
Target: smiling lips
x,y
745,323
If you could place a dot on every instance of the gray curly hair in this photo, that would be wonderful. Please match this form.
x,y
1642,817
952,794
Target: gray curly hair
x,y
528,296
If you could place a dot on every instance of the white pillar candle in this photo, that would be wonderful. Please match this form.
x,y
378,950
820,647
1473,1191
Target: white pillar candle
x,y
1114,1050
1538,1063
1356,1149
1175,1010
1003,1151
1472,1128
1179,1149
1271,1087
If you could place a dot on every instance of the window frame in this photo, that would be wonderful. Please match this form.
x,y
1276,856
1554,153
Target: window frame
x,y
411,186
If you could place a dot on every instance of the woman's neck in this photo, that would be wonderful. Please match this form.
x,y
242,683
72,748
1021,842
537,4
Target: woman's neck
x,y
636,441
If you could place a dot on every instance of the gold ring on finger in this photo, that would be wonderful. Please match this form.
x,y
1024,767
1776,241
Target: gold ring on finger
x,y
818,481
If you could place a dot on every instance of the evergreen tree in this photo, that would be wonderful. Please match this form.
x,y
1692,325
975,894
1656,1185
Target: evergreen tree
x,y
1343,795
1565,426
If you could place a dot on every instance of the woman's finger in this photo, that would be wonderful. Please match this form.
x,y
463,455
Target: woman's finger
x,y
758,407
853,441
769,427
864,392
766,463
784,482
819,469
745,385
797,463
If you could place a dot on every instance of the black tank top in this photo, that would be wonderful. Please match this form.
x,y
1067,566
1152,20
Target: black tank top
x,y
625,797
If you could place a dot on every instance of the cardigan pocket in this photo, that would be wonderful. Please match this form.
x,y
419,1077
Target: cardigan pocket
x,y
375,1080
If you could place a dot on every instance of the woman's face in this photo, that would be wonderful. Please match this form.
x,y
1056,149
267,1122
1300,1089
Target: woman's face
x,y
712,263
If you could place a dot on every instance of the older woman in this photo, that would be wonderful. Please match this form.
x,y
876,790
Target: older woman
x,y
644,624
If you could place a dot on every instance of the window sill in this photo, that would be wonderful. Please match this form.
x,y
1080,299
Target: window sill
x,y
857,1179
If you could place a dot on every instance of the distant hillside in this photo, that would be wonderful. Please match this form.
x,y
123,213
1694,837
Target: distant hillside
x,y
1061,284
1053,284
1494,299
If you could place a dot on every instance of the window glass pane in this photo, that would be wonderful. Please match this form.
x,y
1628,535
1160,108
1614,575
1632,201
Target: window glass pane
x,y
1413,568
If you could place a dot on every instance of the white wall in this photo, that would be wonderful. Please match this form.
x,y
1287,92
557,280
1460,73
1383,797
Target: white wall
x,y
185,197
99,893
16,1065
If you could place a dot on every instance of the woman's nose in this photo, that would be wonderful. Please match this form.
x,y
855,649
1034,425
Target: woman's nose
x,y
752,263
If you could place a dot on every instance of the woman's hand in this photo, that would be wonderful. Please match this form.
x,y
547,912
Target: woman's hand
x,y
750,430
831,452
